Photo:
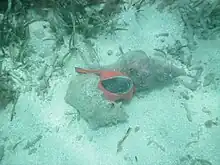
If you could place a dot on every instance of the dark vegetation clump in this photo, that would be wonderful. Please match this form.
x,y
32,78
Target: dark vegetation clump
x,y
88,18
201,18
7,91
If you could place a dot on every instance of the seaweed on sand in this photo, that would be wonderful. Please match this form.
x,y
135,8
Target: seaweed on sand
x,y
203,18
13,31
86,18
13,25
7,91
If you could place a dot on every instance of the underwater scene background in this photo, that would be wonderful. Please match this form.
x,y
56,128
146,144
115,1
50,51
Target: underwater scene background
x,y
109,82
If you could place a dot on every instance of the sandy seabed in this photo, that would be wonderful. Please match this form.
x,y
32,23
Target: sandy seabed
x,y
42,133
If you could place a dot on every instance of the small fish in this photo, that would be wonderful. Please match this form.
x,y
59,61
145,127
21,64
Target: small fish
x,y
114,85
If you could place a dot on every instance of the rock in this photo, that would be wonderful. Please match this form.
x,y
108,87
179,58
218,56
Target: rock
x,y
147,72
83,94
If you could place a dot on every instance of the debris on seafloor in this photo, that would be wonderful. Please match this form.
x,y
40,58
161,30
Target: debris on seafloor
x,y
31,144
131,159
185,95
206,111
190,143
196,135
190,84
211,123
136,129
192,80
120,143
162,35
16,144
208,79
14,102
190,160
110,52
188,112
159,146
2,152
32,151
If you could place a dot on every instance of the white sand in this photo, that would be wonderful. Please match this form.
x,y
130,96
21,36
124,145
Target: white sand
x,y
160,114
